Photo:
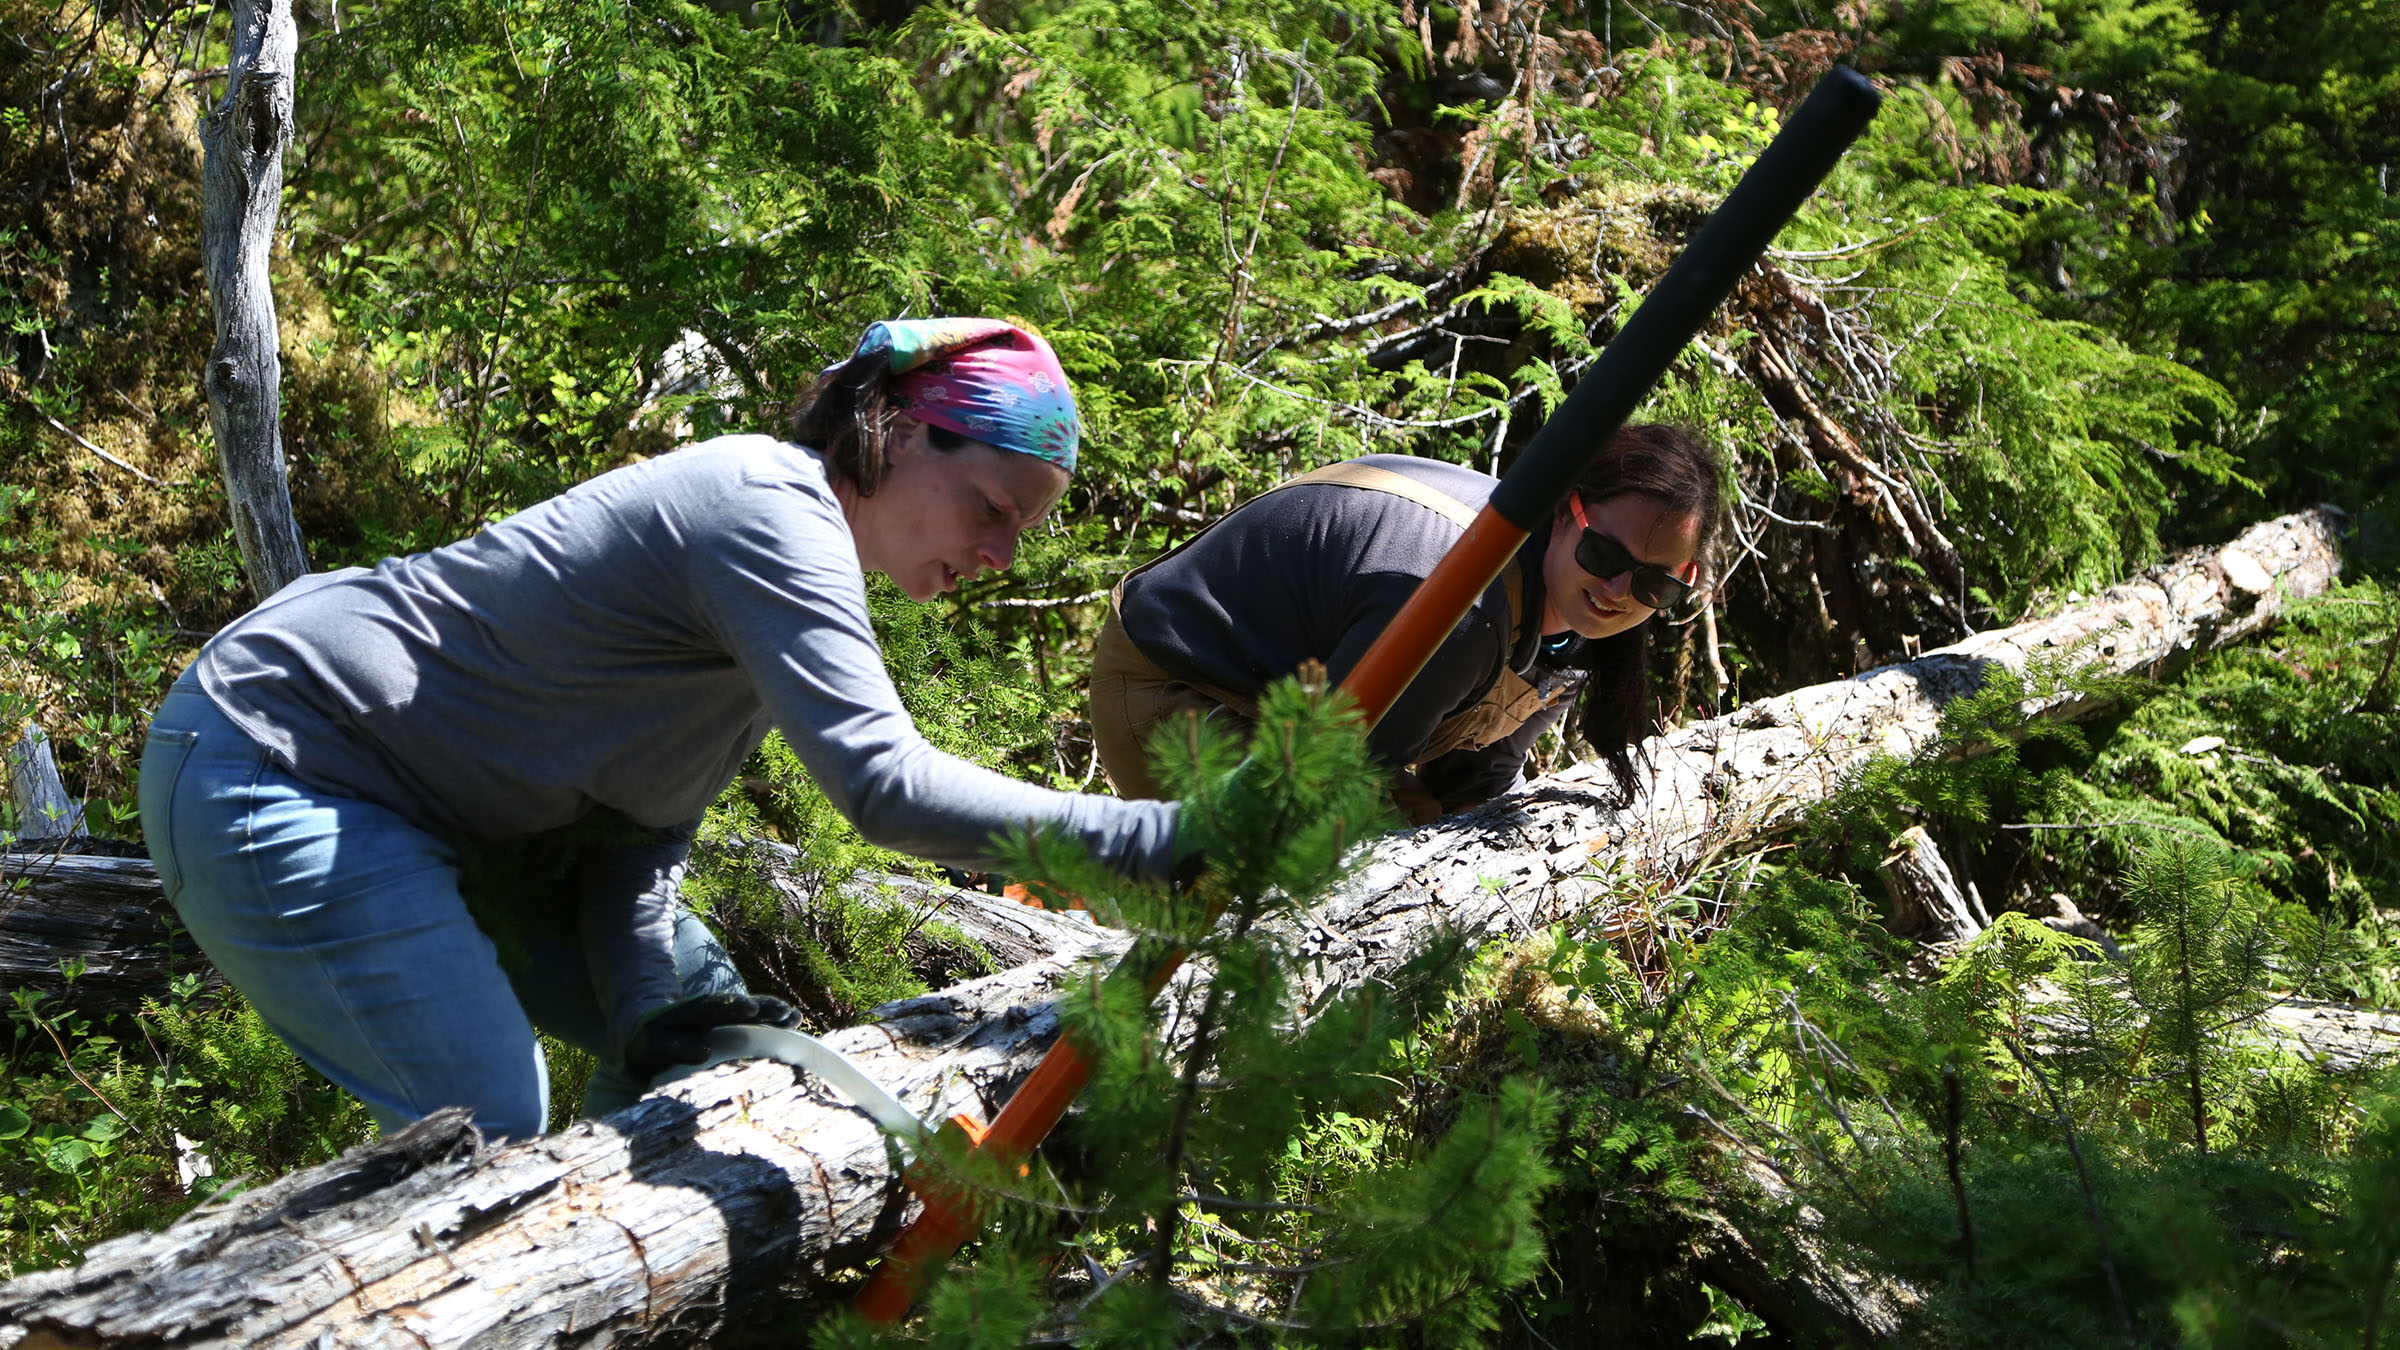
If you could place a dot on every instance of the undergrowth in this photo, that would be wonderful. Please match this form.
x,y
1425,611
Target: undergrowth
x,y
2036,1147
1763,1095
119,1123
2041,1146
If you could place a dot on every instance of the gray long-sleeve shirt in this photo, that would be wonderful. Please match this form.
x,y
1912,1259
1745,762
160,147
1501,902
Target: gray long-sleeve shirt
x,y
627,644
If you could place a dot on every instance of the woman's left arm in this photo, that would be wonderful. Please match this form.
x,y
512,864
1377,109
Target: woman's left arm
x,y
779,581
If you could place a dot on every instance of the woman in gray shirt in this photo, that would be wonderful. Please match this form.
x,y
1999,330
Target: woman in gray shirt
x,y
574,685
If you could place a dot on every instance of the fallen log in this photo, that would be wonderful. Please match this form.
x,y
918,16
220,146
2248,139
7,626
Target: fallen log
x,y
956,932
1523,862
649,1226
96,936
2334,1036
644,1228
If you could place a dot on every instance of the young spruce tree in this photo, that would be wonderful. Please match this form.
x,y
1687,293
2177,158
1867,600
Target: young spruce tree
x,y
1196,1192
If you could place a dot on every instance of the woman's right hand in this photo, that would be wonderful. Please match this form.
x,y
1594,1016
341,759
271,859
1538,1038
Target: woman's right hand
x,y
1414,802
678,1032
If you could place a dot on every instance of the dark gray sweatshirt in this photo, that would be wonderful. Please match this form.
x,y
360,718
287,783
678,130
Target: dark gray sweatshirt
x,y
1315,571
627,644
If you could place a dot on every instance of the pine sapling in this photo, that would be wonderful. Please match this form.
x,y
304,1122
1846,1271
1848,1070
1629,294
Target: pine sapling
x,y
2201,958
1174,1173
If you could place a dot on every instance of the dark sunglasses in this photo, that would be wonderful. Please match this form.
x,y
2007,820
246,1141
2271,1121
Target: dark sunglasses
x,y
1604,557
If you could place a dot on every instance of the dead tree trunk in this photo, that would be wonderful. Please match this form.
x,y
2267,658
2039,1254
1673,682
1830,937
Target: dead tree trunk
x,y
648,1226
44,810
1926,899
93,933
96,934
1567,842
643,1228
242,141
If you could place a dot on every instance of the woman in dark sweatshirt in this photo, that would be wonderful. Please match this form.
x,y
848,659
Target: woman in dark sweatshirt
x,y
1314,569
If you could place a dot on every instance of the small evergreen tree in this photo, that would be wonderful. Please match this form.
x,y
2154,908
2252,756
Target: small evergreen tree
x,y
2200,961
1197,1192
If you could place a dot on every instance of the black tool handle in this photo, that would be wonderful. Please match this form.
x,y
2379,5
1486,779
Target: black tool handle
x,y
1799,157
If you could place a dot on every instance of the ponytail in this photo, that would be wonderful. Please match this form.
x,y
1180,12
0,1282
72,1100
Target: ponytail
x,y
847,415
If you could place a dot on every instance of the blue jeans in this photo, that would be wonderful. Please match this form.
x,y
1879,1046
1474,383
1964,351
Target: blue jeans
x,y
343,925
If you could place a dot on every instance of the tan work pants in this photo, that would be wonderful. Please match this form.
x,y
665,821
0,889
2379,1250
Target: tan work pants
x,y
1131,697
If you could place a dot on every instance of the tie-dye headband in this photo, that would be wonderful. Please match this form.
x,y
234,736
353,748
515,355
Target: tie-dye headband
x,y
984,379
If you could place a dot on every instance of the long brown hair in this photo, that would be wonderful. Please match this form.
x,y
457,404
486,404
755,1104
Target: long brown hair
x,y
1674,467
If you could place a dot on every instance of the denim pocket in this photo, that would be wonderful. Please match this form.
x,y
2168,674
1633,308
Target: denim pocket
x,y
163,756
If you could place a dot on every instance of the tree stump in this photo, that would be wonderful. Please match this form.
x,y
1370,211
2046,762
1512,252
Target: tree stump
x,y
1926,900
44,810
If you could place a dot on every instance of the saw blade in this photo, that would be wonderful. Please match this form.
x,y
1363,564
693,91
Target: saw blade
x,y
801,1051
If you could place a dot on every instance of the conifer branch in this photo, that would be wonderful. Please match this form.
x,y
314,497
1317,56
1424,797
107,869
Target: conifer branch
x,y
2376,700
1954,1115
1658,1033
1207,1200
2191,1063
2378,1296
1201,1051
2083,1178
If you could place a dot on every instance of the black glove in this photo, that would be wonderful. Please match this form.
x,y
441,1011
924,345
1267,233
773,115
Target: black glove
x,y
678,1032
1188,871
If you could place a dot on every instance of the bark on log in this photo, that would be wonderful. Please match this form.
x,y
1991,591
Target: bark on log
x,y
2335,1036
108,918
648,1226
1009,932
242,141
103,916
643,1228
1708,786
